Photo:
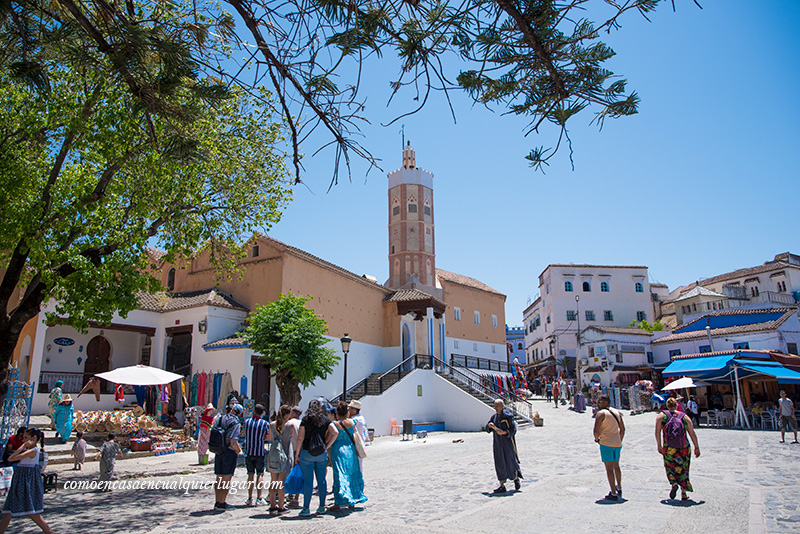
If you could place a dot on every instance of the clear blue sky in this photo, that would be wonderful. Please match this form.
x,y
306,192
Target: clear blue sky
x,y
702,181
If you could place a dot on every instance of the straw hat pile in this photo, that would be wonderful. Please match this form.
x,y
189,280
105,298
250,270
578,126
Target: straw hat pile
x,y
117,421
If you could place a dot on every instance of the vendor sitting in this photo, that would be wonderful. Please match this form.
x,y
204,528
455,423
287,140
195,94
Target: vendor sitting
x,y
169,420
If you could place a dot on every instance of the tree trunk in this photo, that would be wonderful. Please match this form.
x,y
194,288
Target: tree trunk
x,y
288,387
10,330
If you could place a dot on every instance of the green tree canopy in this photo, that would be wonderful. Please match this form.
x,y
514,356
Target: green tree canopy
x,y
291,340
647,327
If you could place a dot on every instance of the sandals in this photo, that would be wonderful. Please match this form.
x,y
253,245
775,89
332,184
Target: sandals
x,y
673,492
684,497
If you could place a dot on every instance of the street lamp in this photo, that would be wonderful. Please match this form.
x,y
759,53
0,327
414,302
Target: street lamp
x,y
345,348
578,315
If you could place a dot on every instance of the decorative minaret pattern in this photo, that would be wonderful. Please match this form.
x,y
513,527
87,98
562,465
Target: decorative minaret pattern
x,y
411,238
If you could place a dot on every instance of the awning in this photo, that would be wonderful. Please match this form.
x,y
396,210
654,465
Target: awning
x,y
773,369
697,366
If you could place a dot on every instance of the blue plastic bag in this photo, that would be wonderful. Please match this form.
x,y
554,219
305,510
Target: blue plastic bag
x,y
294,482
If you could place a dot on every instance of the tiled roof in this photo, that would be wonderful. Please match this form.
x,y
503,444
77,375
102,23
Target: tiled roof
x,y
231,342
735,312
155,253
465,281
730,330
632,367
319,261
627,330
406,295
699,291
766,267
594,369
721,353
166,302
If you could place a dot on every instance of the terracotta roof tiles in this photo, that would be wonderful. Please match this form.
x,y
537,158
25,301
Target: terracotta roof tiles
x,y
166,302
465,281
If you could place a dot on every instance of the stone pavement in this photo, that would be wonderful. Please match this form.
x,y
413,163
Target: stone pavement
x,y
744,481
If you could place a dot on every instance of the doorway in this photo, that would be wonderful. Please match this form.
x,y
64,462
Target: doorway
x,y
261,383
98,360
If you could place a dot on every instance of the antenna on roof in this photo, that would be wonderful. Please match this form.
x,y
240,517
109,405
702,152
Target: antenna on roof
x,y
403,136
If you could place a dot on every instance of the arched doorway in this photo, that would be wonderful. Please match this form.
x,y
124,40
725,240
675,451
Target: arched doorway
x,y
406,342
98,358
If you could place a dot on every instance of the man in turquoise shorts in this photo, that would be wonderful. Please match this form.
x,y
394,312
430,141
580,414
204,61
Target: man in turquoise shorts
x,y
609,430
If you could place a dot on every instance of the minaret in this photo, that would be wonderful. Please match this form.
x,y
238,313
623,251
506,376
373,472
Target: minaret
x,y
412,256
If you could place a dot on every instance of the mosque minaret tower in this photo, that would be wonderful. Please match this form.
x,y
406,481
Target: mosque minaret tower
x,y
412,253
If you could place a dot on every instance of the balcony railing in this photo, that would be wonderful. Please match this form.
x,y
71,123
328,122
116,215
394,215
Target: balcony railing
x,y
485,364
73,382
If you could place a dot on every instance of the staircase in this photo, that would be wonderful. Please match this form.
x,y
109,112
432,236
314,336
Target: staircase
x,y
461,377
484,398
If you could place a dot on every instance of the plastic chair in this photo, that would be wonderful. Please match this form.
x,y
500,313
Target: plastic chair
x,y
394,426
713,418
767,419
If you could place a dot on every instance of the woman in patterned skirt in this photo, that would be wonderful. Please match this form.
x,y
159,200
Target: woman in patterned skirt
x,y
26,495
673,425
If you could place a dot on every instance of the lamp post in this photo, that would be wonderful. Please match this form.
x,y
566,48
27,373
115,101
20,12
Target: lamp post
x,y
578,315
345,348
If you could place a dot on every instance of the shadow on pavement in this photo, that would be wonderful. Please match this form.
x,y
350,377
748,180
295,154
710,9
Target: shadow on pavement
x,y
681,504
509,493
605,501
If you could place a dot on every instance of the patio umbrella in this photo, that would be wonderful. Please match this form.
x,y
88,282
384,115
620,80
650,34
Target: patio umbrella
x,y
139,375
683,383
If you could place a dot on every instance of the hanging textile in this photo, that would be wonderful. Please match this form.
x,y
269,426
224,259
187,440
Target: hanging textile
x,y
217,387
119,395
183,390
193,390
141,393
226,387
201,389
209,388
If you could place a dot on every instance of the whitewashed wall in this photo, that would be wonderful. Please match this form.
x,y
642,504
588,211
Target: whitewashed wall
x,y
440,401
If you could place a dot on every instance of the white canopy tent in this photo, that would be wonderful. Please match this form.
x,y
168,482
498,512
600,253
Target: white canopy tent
x,y
139,375
684,383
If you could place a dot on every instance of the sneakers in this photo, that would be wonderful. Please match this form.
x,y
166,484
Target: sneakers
x,y
612,497
261,502
222,506
249,502
501,489
304,512
321,509
619,492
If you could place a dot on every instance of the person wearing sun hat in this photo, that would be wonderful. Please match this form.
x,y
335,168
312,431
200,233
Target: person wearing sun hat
x,y
203,433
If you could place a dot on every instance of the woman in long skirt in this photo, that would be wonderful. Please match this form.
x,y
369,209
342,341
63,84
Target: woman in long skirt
x,y
55,399
677,456
26,495
203,433
348,482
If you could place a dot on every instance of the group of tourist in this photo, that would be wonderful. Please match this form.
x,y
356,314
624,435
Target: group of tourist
x,y
292,441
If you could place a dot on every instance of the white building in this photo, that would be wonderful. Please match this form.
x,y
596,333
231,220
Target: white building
x,y
575,296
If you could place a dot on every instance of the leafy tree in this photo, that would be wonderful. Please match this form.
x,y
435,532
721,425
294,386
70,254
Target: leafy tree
x,y
647,327
291,340
91,172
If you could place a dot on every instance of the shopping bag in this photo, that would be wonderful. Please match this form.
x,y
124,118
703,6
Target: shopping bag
x,y
294,482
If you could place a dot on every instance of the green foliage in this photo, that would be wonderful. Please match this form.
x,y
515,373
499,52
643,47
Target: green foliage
x,y
291,339
647,327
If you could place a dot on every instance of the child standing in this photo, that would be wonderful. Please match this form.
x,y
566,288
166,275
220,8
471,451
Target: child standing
x,y
26,495
108,459
79,451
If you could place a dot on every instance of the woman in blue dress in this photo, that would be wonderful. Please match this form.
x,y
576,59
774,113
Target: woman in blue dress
x,y
26,495
348,482
64,415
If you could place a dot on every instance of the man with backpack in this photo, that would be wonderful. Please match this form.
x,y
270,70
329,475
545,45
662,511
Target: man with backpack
x,y
256,430
224,443
609,431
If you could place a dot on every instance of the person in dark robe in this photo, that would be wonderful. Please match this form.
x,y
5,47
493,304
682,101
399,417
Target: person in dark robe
x,y
506,461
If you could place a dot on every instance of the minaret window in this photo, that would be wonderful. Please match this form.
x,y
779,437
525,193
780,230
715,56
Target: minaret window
x,y
427,207
412,205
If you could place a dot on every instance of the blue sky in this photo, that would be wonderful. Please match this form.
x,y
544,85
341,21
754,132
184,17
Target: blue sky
x,y
702,181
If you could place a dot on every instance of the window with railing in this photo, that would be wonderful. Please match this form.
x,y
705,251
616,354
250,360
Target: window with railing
x,y
589,315
640,316
571,315
604,287
608,315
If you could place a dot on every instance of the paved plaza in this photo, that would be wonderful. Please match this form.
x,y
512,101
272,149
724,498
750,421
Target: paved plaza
x,y
744,481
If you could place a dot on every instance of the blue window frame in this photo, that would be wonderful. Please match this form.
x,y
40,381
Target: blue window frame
x,y
604,287
640,316
705,348
639,287
650,357
741,346
589,315
571,315
568,286
587,286
676,352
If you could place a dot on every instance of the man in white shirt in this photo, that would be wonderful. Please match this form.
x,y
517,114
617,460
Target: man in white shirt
x,y
787,416
692,411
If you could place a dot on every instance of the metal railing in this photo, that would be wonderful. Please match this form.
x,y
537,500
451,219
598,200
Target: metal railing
x,y
473,362
16,407
474,381
467,377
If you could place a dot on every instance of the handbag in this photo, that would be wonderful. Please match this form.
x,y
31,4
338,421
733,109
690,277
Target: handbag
x,y
294,482
357,442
